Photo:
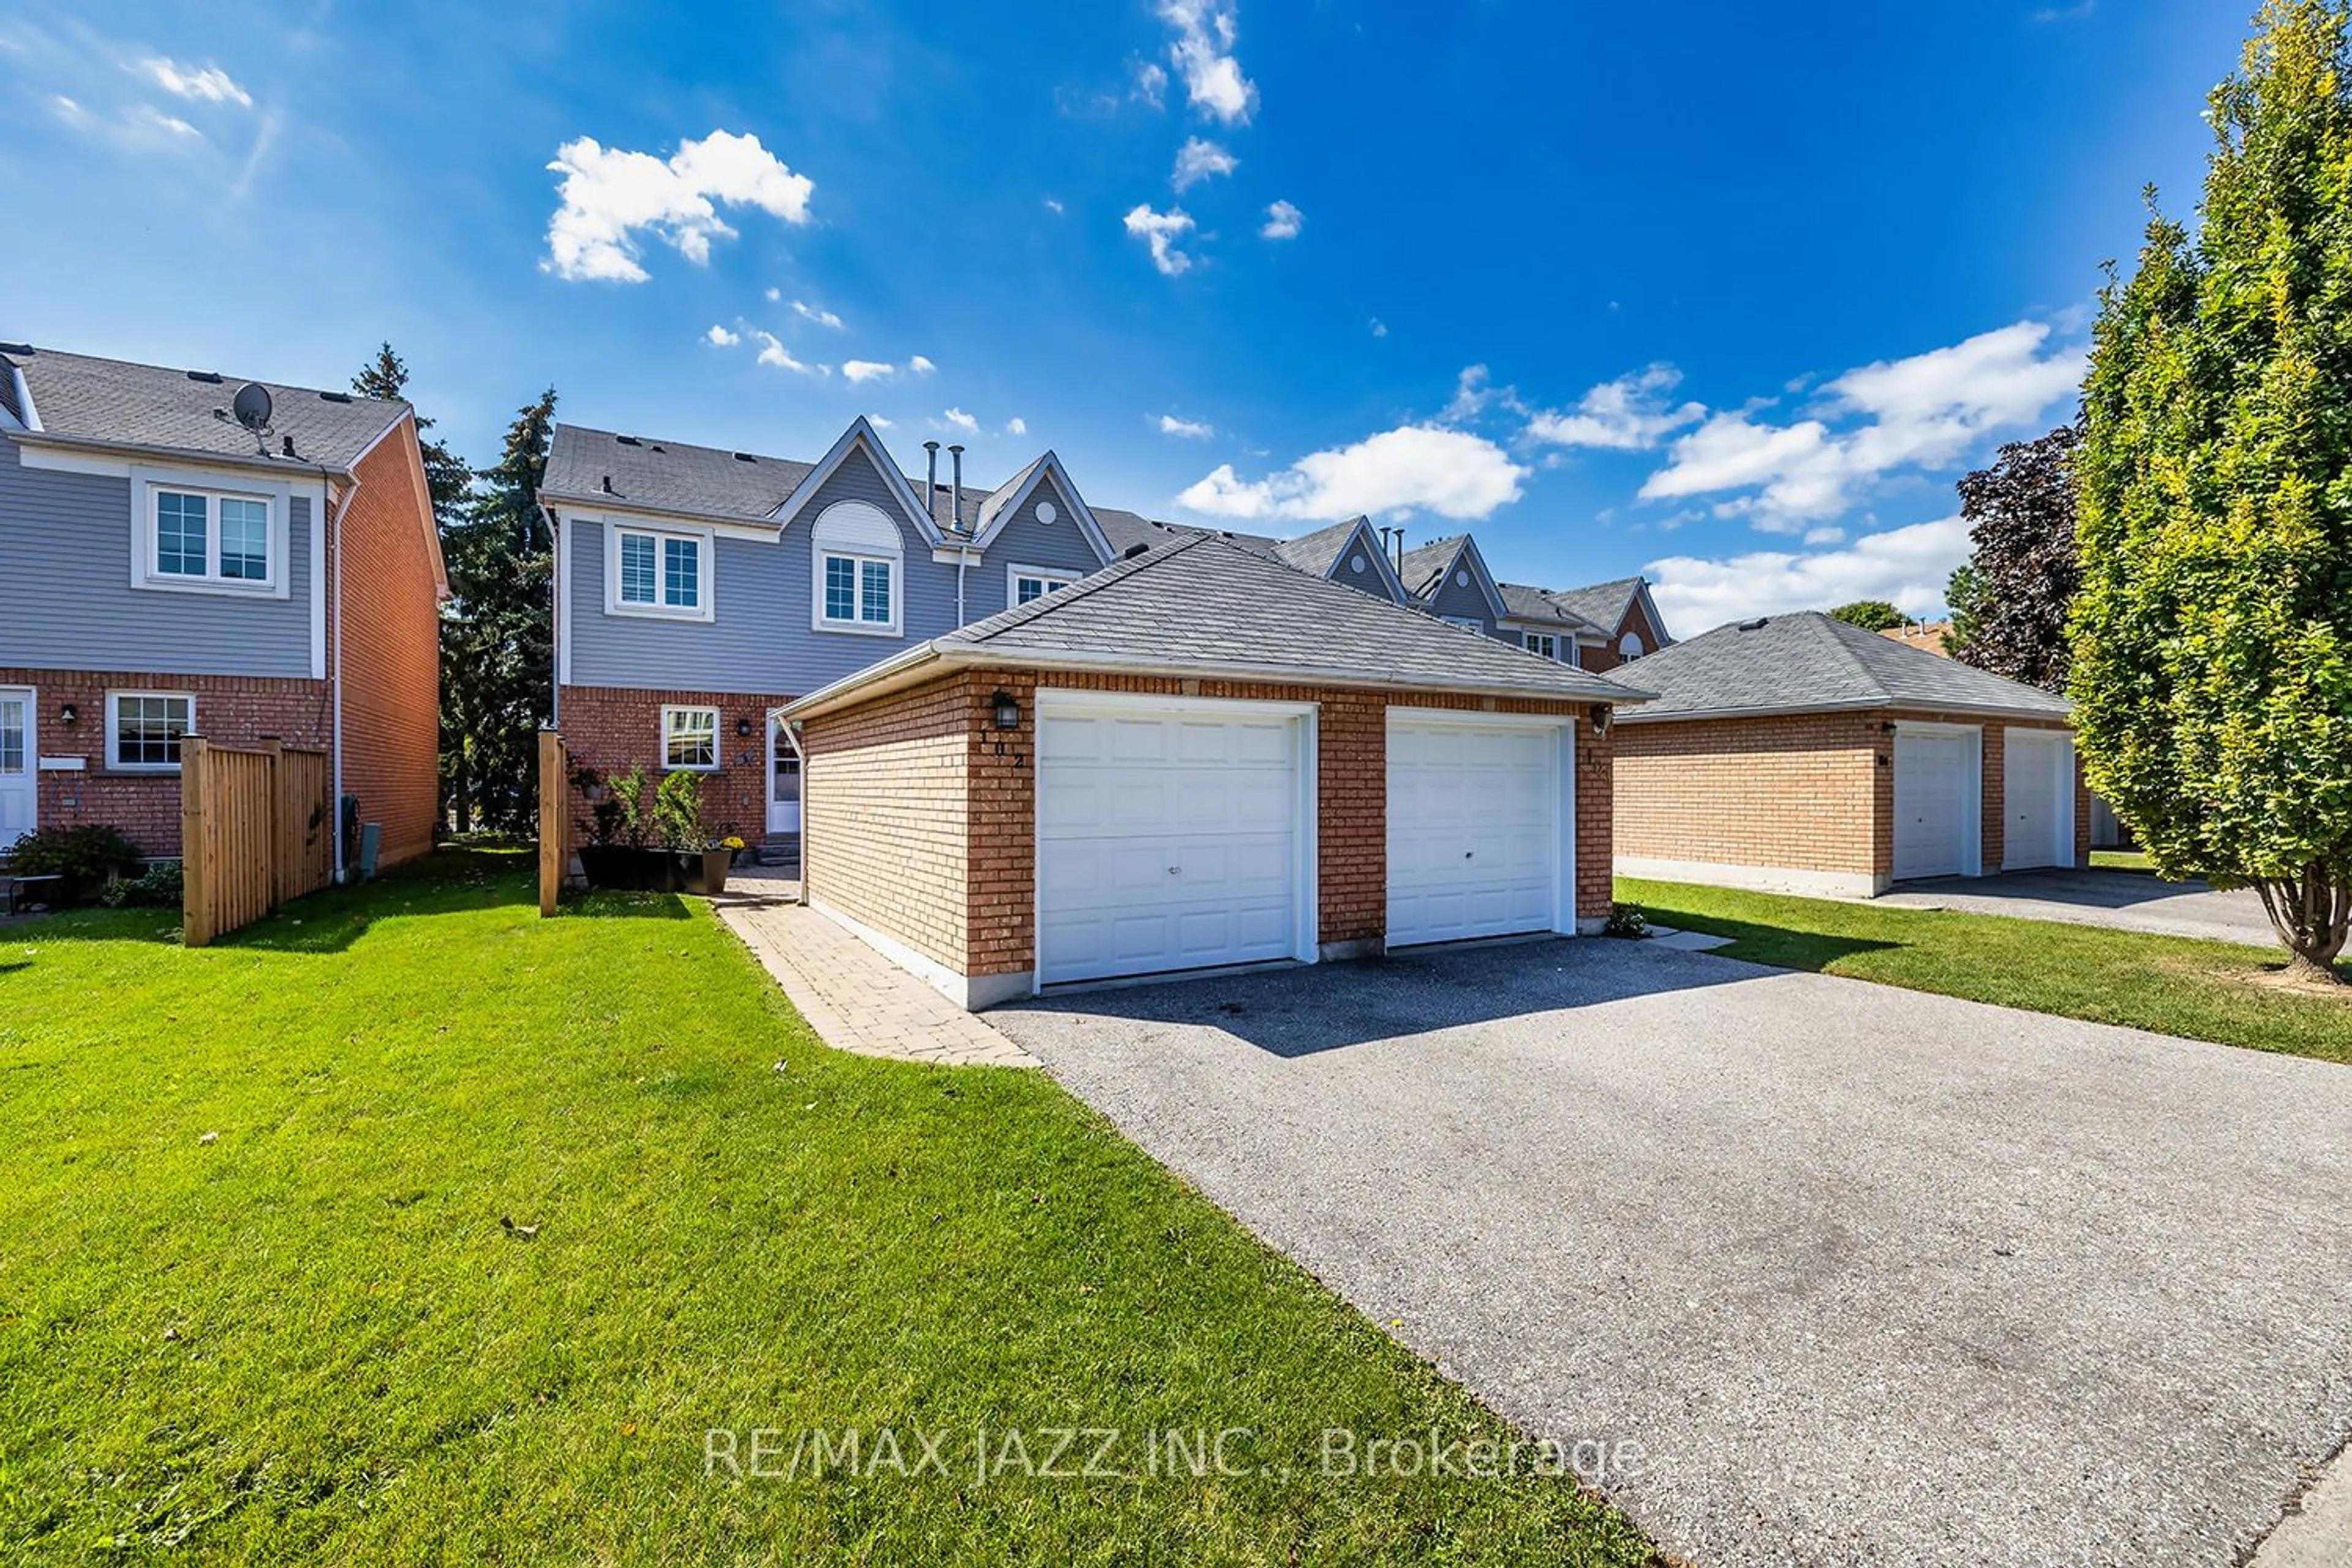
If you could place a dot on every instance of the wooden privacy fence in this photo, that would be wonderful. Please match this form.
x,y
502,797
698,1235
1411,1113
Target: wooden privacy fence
x,y
257,828
554,816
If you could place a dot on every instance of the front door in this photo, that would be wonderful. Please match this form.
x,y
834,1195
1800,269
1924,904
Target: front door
x,y
18,765
783,783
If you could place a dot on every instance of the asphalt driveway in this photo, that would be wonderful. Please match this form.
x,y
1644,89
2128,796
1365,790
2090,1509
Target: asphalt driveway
x,y
1867,1275
2127,900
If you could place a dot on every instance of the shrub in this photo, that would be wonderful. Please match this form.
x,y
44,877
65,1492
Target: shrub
x,y
85,857
158,886
1627,921
677,812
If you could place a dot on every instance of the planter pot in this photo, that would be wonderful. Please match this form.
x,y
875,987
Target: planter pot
x,y
710,870
619,867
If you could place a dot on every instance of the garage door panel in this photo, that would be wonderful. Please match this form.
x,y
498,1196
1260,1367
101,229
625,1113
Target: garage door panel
x,y
1473,831
1932,801
2038,800
1167,841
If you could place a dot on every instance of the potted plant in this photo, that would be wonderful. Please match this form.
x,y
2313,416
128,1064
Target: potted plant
x,y
618,853
697,863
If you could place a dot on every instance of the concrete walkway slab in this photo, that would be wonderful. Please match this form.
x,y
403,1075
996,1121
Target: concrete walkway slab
x,y
2126,900
1868,1276
855,999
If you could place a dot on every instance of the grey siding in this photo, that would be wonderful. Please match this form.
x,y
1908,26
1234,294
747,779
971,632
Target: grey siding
x,y
1471,601
1026,542
66,602
759,640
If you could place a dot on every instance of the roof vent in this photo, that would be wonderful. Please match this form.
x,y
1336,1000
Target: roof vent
x,y
608,484
1136,549
745,457
288,442
209,377
1758,625
334,398
627,440
657,447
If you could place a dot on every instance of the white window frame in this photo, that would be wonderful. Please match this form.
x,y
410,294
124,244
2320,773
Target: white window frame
x,y
705,559
1052,576
857,529
1630,647
671,711
114,763
147,558
1467,623
1543,644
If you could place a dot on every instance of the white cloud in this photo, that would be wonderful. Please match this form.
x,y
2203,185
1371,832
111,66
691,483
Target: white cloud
x,y
719,337
1379,327
1200,159
1474,390
609,195
863,369
958,419
774,295
1016,426
920,365
808,312
1054,206
772,352
877,422
1413,468
209,84
1150,84
1202,54
1630,414
1923,412
66,110
1190,429
1161,231
1828,534
1907,565
170,123
1283,221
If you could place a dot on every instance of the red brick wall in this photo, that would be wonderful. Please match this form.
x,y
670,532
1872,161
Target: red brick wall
x,y
235,711
1637,620
391,650
907,886
613,729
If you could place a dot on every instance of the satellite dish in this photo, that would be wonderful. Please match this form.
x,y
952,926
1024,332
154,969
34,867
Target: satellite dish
x,y
252,406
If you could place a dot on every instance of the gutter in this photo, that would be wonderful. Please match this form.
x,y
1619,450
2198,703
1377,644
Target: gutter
x,y
133,451
599,501
904,669
1867,705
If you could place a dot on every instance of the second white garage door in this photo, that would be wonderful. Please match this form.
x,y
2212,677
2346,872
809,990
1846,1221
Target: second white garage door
x,y
1474,846
2038,798
1934,798
1168,837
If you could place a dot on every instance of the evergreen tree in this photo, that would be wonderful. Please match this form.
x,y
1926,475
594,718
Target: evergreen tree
x,y
2212,635
446,477
498,637
1964,597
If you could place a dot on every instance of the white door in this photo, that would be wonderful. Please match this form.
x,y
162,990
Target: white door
x,y
1473,830
783,783
2037,799
19,768
1933,798
1168,838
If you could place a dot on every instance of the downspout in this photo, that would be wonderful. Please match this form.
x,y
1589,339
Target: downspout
x,y
335,562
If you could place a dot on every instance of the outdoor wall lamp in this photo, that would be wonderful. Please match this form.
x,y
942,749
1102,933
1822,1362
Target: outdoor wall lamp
x,y
1007,709
68,713
1601,711
742,729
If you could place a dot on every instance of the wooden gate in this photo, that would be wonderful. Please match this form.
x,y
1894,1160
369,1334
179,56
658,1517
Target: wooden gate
x,y
257,828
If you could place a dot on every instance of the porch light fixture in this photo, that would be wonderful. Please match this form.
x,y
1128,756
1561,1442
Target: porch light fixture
x,y
1601,711
68,713
742,729
1007,709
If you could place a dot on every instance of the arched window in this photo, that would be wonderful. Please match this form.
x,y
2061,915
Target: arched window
x,y
1630,647
857,570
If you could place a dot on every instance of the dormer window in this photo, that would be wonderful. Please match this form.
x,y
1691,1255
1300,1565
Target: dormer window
x,y
657,571
1630,647
1544,645
1027,583
859,572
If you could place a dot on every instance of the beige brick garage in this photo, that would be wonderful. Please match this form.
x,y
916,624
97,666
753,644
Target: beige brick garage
x,y
922,825
1802,754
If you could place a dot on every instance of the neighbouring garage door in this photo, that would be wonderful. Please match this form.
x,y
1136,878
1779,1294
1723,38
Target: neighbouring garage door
x,y
1934,796
1168,838
2038,799
1474,846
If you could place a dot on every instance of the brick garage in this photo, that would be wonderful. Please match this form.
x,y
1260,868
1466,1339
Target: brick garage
x,y
614,729
923,815
1804,800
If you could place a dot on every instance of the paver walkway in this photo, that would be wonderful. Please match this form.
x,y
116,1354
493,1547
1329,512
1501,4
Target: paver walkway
x,y
854,998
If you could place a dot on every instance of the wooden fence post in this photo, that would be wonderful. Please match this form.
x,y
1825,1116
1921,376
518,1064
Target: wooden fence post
x,y
554,828
280,841
196,875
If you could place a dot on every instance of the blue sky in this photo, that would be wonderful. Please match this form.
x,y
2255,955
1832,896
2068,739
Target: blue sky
x,y
1732,301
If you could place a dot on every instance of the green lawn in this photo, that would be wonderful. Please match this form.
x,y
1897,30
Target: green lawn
x,y
2205,990
2121,861
259,1300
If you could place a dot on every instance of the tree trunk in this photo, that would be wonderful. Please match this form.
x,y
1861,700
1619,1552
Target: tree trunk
x,y
2311,913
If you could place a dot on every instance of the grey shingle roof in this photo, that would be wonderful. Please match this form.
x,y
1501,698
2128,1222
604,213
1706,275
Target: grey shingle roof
x,y
1809,662
114,402
1529,603
1201,601
704,481
1424,565
1602,603
1320,551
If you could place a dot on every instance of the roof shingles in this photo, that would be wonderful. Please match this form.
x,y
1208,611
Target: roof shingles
x,y
1810,663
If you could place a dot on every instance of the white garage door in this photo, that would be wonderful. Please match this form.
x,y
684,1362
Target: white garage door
x,y
2038,799
1167,838
1932,801
1474,839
